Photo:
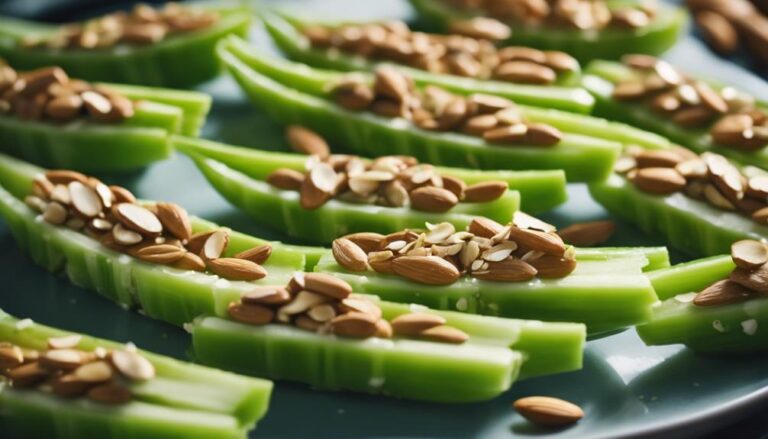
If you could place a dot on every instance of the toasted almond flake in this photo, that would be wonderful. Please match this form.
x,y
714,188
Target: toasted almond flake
x,y
94,372
215,244
324,177
362,305
124,236
396,245
85,200
64,342
137,218
322,313
55,213
499,252
362,186
132,365
439,232
10,356
65,359
267,294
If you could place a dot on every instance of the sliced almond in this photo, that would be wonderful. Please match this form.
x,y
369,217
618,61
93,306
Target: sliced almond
x,y
588,234
175,219
236,269
55,213
327,285
10,356
485,227
547,411
65,359
94,372
250,313
381,261
214,244
63,176
322,313
749,254
64,342
85,200
349,255
122,195
124,236
138,218
267,295
303,301
415,323
28,375
444,334
354,324
355,304
430,270
312,197
722,292
306,141
661,158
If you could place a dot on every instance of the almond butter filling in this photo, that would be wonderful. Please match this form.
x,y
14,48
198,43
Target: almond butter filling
x,y
156,233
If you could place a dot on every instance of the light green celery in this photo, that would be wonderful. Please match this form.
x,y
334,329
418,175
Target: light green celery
x,y
689,225
690,277
658,257
539,190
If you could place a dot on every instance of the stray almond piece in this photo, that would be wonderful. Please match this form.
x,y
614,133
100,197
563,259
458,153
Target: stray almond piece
x,y
354,324
552,267
327,285
756,279
138,218
547,411
659,181
430,270
132,364
28,374
111,393
368,241
749,254
236,269
433,199
258,254
349,255
485,191
250,313
175,219
353,304
536,240
444,334
306,141
64,342
508,270
722,292
55,213
214,245
160,253
415,323
190,261
588,234
269,295
286,179
85,200
124,236
484,227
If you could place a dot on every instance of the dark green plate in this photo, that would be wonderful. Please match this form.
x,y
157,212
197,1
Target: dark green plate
x,y
625,388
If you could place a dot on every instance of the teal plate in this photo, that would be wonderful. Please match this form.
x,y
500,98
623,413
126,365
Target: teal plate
x,y
625,388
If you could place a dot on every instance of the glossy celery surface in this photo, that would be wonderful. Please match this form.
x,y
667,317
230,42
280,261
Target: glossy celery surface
x,y
179,61
480,369
609,43
269,82
689,225
600,79
161,292
727,329
183,400
565,95
99,147
606,295
539,190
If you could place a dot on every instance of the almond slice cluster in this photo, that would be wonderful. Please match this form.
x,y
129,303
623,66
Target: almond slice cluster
x,y
322,303
143,25
748,280
577,14
160,233
736,120
708,177
48,93
101,375
393,181
393,95
467,52
487,250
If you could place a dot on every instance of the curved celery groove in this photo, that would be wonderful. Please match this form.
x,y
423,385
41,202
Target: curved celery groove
x,y
97,147
726,329
606,295
689,225
585,45
179,61
600,78
269,82
496,352
182,400
539,190
563,96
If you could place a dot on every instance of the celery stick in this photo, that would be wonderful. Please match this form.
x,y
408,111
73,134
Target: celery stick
x,y
690,276
658,257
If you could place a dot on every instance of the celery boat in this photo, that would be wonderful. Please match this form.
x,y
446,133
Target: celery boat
x,y
737,328
295,94
285,32
183,400
179,61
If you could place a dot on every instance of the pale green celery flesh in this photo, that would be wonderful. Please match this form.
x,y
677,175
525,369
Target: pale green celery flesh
x,y
605,295
220,402
689,225
539,190
690,277
658,257
439,372
281,210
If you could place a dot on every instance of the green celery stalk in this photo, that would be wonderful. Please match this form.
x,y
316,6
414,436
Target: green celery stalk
x,y
182,400
692,276
606,295
539,190
582,158
281,210
179,61
564,95
600,79
610,43
689,225
658,257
